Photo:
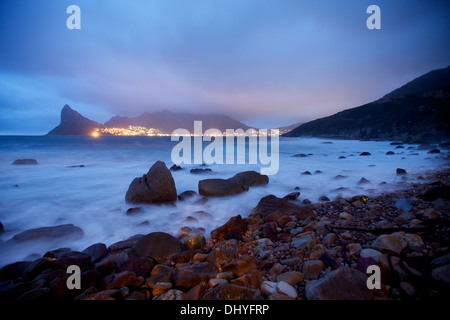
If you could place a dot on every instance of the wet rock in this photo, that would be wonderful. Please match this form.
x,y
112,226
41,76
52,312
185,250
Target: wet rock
x,y
250,280
364,181
324,198
394,242
187,194
291,277
195,241
172,294
312,269
175,168
401,171
292,196
157,186
141,267
157,245
133,211
221,187
434,151
161,287
390,153
223,253
25,162
122,279
97,251
252,178
191,275
300,155
270,204
241,265
341,284
64,230
233,225
123,245
306,173
365,154
73,258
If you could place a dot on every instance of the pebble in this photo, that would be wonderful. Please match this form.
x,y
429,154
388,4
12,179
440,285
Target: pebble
x,y
268,288
285,288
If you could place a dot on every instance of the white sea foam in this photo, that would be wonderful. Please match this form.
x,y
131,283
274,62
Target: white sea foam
x,y
93,197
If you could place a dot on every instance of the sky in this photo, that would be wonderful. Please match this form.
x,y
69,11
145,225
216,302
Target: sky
x,y
267,63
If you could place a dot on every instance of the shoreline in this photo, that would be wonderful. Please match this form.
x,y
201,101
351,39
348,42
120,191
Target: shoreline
x,y
283,250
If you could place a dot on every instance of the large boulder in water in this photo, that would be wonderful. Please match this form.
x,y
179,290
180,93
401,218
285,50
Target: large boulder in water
x,y
64,230
156,186
252,178
237,184
160,246
221,187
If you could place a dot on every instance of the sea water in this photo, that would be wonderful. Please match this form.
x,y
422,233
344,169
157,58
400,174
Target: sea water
x,y
60,191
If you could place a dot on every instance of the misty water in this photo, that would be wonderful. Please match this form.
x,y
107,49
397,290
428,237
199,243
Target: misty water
x,y
57,191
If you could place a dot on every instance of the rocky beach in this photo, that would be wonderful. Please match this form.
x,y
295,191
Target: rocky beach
x,y
286,248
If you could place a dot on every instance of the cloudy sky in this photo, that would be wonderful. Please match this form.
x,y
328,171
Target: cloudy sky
x,y
264,62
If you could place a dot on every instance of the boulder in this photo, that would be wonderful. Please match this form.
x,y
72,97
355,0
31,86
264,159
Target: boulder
x,y
270,204
186,194
64,230
191,275
97,251
123,245
223,253
157,186
221,187
234,226
401,171
157,245
394,242
241,265
122,279
252,178
195,241
341,284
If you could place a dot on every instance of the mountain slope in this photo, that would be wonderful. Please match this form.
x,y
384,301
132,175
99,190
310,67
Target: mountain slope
x,y
167,121
417,112
73,123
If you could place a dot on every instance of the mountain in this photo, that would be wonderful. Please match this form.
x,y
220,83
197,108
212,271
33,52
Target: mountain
x,y
417,112
74,124
167,121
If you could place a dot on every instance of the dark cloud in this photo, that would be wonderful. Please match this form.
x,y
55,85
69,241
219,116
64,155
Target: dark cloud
x,y
288,60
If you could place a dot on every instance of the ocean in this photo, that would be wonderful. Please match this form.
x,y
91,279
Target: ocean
x,y
60,191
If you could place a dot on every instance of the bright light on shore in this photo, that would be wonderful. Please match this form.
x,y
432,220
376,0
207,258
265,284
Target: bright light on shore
x,y
95,134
